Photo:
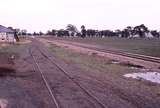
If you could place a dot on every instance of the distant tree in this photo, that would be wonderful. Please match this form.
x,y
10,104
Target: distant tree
x,y
53,32
66,33
29,34
23,32
40,33
78,34
34,33
83,31
18,31
72,28
61,33
130,31
16,35
49,32
141,30
91,32
155,33
125,33
118,33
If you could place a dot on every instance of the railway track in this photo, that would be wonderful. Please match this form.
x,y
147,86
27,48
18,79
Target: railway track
x,y
45,81
122,53
51,92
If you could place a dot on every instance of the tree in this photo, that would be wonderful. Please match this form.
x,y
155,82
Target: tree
x,y
72,28
35,34
83,31
91,32
18,31
141,30
49,32
130,30
155,33
24,32
53,32
118,33
15,35
40,33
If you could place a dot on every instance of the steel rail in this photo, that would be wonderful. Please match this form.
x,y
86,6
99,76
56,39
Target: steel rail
x,y
72,79
45,81
131,55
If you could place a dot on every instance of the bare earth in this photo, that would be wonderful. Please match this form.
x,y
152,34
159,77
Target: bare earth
x,y
22,85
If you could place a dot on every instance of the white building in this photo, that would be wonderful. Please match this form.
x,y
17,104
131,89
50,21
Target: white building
x,y
6,35
149,35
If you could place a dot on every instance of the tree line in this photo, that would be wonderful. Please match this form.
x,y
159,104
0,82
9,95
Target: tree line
x,y
129,32
140,31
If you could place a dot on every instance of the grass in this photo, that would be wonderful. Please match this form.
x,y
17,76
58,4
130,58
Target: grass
x,y
12,49
149,47
88,62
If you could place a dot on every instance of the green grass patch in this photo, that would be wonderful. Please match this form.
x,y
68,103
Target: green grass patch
x,y
149,47
89,62
13,49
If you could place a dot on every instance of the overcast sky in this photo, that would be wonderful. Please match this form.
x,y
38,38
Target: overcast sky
x,y
36,15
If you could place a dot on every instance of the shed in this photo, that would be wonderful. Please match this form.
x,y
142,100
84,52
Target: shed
x,y
6,34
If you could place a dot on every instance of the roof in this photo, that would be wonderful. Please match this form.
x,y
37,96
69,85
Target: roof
x,y
5,29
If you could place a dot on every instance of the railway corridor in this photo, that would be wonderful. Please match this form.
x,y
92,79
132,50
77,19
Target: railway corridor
x,y
64,92
71,87
41,79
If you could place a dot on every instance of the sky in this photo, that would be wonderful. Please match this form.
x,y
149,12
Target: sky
x,y
43,15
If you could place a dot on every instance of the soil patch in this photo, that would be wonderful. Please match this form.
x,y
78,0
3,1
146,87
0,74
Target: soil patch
x,y
6,58
4,72
128,64
24,41
6,65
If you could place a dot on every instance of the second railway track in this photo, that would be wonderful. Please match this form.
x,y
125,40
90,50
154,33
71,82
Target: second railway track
x,y
118,52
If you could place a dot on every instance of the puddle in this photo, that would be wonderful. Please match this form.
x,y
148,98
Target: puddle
x,y
3,103
4,72
150,76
